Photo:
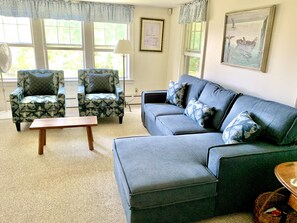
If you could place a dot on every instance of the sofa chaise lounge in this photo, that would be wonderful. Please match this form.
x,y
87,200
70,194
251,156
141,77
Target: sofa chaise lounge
x,y
184,172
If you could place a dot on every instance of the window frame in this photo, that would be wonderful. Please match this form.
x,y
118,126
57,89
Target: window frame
x,y
110,49
20,45
40,47
63,47
188,54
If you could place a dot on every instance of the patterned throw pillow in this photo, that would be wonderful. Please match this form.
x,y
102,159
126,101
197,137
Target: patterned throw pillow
x,y
241,129
41,84
175,93
199,112
100,83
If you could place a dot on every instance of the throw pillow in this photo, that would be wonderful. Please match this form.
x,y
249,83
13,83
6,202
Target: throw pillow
x,y
175,93
100,83
41,84
241,129
199,112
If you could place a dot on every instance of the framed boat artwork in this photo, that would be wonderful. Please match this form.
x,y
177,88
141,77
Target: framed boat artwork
x,y
247,37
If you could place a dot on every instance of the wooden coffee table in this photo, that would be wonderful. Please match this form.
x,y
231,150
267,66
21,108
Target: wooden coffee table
x,y
285,172
68,122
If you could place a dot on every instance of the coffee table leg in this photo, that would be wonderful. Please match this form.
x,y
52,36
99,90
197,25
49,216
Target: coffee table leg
x,y
44,137
42,140
90,137
293,201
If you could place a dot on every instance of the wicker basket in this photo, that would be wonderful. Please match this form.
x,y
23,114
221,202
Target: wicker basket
x,y
268,200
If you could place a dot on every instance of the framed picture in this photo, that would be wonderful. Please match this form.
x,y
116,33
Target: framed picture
x,y
151,34
247,37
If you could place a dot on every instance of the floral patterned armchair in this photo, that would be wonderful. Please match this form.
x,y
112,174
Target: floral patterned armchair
x,y
40,93
100,94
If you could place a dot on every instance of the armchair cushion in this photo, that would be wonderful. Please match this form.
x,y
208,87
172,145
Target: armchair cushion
x,y
100,100
241,129
41,84
100,83
175,93
199,112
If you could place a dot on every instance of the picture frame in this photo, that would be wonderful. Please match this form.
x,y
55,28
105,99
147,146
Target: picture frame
x,y
247,36
151,34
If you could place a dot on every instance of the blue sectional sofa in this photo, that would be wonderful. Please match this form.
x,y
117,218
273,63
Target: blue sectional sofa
x,y
185,172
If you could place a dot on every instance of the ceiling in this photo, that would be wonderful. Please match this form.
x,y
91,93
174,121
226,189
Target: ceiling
x,y
152,3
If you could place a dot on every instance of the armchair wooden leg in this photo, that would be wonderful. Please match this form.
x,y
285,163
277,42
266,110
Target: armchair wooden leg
x,y
121,119
18,126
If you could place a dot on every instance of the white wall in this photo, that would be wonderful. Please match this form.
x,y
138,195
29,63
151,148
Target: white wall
x,y
153,70
176,35
150,68
280,81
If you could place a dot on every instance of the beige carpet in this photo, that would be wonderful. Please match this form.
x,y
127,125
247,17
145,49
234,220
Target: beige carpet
x,y
68,183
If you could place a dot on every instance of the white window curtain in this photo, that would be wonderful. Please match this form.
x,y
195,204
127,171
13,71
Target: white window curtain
x,y
194,11
66,10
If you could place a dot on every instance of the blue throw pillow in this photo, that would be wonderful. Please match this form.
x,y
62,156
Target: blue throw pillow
x,y
41,84
175,93
241,129
100,83
199,112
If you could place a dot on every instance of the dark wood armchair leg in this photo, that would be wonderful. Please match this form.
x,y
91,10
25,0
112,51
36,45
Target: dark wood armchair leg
x,y
121,119
18,126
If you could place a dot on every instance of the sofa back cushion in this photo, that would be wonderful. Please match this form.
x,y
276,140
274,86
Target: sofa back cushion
x,y
194,87
221,99
278,121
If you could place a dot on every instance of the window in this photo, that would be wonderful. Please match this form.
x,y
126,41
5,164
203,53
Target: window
x,y
193,48
64,46
22,49
106,36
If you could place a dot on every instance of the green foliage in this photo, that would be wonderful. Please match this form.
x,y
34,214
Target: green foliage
x,y
22,58
59,36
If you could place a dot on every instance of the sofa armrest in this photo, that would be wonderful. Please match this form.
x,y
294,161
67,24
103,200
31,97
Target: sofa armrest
x,y
119,93
81,94
153,96
245,171
17,95
15,98
61,100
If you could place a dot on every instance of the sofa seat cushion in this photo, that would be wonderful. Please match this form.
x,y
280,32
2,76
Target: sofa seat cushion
x,y
158,171
154,110
37,102
100,100
179,125
33,107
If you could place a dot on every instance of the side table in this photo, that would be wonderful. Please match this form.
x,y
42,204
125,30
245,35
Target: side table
x,y
285,172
